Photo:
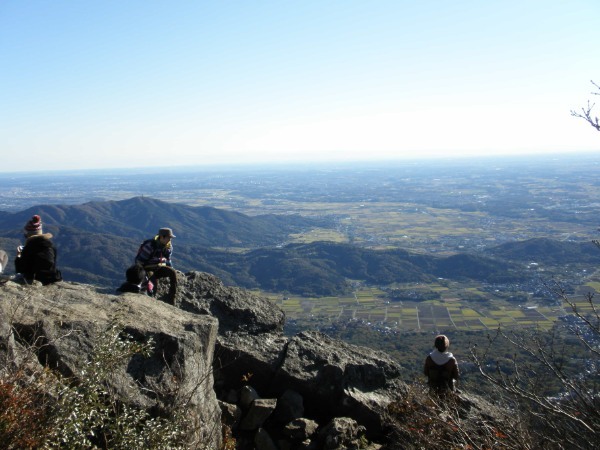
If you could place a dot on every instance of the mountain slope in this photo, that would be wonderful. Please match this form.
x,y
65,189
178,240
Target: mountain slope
x,y
97,241
548,251
323,268
140,217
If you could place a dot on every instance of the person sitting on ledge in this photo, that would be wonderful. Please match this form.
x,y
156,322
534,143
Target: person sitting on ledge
x,y
37,259
154,255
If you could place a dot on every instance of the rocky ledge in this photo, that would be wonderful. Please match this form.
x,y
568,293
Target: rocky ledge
x,y
224,350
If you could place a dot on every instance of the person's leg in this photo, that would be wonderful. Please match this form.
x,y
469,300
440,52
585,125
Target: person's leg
x,y
168,272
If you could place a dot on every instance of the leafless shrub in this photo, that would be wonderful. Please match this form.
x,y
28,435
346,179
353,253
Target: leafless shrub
x,y
572,418
421,419
586,111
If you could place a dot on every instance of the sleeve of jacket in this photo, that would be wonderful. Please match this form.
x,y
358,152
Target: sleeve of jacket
x,y
426,368
23,263
454,372
168,252
144,253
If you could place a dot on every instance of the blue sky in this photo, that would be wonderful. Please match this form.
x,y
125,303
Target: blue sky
x,y
100,84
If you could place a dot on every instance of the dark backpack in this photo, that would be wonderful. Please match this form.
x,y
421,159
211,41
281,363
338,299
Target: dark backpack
x,y
137,280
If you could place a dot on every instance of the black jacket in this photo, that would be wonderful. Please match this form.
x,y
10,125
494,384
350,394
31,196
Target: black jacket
x,y
38,260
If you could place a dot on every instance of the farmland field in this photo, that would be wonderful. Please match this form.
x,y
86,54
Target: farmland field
x,y
371,306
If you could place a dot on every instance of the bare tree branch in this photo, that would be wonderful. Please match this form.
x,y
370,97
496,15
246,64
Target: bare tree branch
x,y
586,112
572,417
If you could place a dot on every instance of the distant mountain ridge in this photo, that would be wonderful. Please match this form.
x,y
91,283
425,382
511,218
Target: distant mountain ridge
x,y
548,251
323,268
97,241
140,217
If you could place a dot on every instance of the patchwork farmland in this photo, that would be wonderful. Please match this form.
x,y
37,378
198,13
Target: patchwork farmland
x,y
370,306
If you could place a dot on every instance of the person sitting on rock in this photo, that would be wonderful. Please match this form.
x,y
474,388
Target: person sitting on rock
x,y
37,259
154,255
441,367
137,281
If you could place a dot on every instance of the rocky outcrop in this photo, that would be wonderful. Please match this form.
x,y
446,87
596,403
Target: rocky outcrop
x,y
238,310
62,323
332,378
221,348
329,378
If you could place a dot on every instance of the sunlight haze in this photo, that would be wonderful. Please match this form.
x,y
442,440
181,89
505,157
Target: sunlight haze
x,y
147,83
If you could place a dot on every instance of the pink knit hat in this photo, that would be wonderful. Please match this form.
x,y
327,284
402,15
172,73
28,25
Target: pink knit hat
x,y
34,226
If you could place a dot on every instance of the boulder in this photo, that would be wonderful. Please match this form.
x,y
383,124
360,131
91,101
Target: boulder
x,y
258,413
290,406
238,310
339,379
340,433
300,429
63,322
332,377
231,414
247,395
242,358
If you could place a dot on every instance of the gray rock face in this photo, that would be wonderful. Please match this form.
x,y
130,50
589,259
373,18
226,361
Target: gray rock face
x,y
230,413
338,378
332,377
68,318
301,429
237,309
341,432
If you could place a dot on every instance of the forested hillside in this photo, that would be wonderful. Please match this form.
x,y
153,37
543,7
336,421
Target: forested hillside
x,y
140,217
97,241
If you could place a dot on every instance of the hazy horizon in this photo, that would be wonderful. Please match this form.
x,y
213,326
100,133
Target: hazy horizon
x,y
141,84
461,161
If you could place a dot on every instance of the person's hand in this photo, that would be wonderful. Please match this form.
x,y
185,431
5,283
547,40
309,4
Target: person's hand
x,y
19,251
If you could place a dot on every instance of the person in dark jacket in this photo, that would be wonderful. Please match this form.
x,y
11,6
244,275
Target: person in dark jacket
x,y
154,255
441,367
157,251
36,260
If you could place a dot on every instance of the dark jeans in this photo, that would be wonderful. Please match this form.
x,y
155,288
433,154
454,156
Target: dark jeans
x,y
157,272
